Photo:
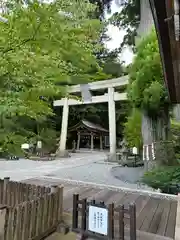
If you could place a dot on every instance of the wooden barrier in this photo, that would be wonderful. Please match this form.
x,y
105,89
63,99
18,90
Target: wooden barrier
x,y
12,193
29,211
114,213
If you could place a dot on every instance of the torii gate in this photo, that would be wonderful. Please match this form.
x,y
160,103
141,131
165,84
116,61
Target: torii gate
x,y
111,97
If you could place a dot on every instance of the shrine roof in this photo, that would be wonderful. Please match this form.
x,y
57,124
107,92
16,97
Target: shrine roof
x,y
88,125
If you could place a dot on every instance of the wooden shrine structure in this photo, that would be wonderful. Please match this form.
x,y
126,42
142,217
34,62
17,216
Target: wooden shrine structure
x,y
87,133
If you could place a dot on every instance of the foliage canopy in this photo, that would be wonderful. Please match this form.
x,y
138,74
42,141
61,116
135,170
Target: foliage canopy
x,y
146,89
128,19
42,47
132,129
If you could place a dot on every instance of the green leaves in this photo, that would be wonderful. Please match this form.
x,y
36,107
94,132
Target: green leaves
x,y
152,96
164,178
146,90
128,19
42,45
132,129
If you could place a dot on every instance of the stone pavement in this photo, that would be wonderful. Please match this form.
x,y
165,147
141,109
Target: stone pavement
x,y
96,172
128,174
25,169
83,167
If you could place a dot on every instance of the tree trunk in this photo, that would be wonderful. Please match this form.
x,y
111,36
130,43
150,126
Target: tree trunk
x,y
156,133
176,112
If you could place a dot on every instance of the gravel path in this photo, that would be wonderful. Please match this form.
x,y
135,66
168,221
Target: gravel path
x,y
25,169
86,167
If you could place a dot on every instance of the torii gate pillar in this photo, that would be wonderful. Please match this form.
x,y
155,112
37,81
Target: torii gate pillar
x,y
64,127
112,124
112,121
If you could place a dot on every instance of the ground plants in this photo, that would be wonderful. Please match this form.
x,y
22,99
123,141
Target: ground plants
x,y
167,179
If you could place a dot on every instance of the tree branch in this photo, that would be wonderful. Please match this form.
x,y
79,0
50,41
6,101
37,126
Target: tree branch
x,y
23,42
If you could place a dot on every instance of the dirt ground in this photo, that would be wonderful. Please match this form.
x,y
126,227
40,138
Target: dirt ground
x,y
60,236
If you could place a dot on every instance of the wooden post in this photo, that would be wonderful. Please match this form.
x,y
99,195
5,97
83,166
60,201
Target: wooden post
x,y
83,214
6,181
55,192
101,142
3,211
132,212
60,203
92,141
75,211
78,141
111,221
82,236
121,222
54,189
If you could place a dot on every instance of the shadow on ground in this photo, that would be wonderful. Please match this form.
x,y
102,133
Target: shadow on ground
x,y
128,174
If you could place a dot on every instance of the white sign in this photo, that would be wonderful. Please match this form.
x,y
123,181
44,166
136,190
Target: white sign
x,y
98,220
39,144
25,146
147,153
135,150
153,152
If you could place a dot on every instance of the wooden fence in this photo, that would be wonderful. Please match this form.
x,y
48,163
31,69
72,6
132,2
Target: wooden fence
x,y
117,217
28,211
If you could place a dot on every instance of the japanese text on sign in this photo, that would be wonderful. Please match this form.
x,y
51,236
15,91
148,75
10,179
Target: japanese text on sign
x,y
98,220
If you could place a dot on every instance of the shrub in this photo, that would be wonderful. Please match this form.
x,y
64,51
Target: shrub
x,y
175,129
167,179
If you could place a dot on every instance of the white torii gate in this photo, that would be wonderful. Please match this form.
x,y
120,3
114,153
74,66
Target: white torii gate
x,y
111,97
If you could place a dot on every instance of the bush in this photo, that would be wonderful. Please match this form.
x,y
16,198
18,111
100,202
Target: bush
x,y
175,129
167,179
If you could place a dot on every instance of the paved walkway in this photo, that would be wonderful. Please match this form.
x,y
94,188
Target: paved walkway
x,y
25,169
84,167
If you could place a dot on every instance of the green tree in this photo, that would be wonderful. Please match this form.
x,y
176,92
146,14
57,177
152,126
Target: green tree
x,y
42,46
108,59
102,7
65,64
128,19
175,129
147,93
132,130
